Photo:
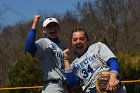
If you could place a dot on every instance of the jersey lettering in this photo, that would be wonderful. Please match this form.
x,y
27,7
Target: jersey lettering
x,y
84,62
58,54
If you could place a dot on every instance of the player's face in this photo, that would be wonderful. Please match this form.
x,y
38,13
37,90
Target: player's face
x,y
79,42
52,29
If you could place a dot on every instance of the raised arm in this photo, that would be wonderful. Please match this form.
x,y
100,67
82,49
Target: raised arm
x,y
30,42
71,78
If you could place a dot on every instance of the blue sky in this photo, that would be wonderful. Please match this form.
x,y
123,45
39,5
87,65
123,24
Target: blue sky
x,y
14,11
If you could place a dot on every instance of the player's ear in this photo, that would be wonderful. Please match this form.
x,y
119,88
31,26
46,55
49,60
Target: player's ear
x,y
44,31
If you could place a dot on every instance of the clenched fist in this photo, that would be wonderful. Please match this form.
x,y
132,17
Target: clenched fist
x,y
66,54
35,21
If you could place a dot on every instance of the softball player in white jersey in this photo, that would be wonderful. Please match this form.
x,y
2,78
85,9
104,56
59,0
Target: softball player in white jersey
x,y
89,62
49,51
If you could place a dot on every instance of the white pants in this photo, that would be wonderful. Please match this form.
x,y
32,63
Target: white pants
x,y
54,88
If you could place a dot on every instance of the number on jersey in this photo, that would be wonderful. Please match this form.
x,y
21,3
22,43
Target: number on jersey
x,y
85,72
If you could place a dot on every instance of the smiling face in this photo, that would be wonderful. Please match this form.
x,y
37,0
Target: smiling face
x,y
51,30
79,42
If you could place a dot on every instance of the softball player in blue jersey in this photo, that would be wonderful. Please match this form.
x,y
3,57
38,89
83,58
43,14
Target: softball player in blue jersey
x,y
89,62
49,51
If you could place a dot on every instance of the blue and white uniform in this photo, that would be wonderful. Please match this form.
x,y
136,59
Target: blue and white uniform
x,y
50,55
96,58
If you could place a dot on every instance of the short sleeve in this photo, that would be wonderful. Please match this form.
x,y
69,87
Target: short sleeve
x,y
104,52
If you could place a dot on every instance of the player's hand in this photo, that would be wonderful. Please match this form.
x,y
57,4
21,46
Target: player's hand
x,y
36,18
66,60
35,21
66,54
113,83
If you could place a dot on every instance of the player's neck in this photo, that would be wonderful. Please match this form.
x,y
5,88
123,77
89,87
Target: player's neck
x,y
55,40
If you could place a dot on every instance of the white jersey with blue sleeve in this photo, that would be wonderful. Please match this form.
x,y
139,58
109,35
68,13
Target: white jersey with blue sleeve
x,y
50,58
91,63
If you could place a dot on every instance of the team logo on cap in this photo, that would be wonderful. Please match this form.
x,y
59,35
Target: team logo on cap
x,y
50,18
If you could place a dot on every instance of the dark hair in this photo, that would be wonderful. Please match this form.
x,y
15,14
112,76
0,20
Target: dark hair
x,y
80,30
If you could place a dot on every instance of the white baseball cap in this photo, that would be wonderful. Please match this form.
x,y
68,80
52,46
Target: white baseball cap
x,y
49,20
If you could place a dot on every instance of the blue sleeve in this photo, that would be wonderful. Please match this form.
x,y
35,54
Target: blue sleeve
x,y
113,64
30,42
72,79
